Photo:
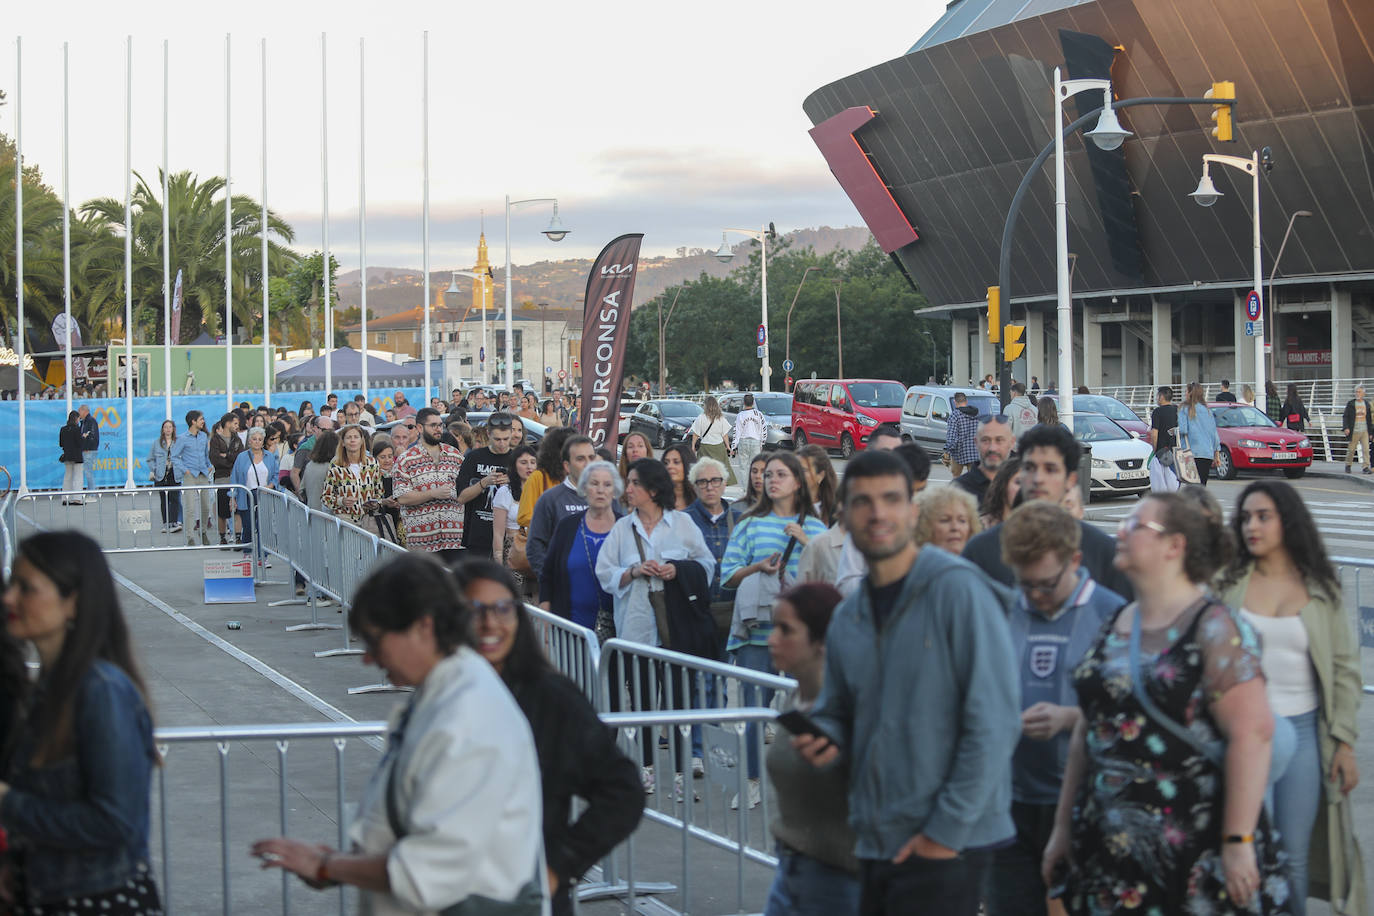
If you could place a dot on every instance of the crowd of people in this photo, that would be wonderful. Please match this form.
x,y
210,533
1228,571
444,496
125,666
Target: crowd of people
x,y
1000,708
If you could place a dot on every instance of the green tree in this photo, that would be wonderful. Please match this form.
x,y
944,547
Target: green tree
x,y
43,285
297,303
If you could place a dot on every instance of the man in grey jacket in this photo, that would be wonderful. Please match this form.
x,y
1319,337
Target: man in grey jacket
x,y
558,501
922,701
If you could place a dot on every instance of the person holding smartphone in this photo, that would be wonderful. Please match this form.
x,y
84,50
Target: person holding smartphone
x,y
353,484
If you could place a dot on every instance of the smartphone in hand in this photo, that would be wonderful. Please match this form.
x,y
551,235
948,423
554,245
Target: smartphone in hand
x,y
799,723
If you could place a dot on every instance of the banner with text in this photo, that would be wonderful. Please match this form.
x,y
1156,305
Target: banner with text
x,y
605,336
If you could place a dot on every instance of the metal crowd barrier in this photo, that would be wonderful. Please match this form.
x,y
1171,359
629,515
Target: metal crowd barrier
x,y
265,752
7,532
574,650
1354,571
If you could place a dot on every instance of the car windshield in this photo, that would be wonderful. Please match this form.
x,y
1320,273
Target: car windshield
x,y
1230,417
877,394
987,407
1094,428
679,408
775,406
1111,407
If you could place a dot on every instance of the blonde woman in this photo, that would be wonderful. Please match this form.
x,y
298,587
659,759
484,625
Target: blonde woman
x,y
949,517
353,484
710,436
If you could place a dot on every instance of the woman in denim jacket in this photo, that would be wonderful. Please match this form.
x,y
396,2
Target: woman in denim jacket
x,y
75,800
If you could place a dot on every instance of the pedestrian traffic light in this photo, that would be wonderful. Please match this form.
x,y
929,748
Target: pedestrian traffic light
x,y
1012,346
1221,114
994,314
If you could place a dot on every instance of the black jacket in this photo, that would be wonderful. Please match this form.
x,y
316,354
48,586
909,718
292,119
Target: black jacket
x,y
1348,419
90,434
553,574
1099,550
578,756
69,439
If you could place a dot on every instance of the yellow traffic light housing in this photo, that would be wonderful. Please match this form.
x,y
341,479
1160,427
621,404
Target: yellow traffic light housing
x,y
994,314
1013,346
1223,124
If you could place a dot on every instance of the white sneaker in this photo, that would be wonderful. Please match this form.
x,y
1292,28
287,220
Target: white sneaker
x,y
679,791
174,528
165,528
646,779
755,796
698,768
768,733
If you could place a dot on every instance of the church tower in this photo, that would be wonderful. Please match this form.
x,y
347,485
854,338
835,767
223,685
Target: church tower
x,y
481,292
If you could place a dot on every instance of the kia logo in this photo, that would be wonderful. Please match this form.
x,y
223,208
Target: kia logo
x,y
616,270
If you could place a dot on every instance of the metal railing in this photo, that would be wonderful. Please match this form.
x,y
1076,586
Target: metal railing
x,y
574,650
1359,597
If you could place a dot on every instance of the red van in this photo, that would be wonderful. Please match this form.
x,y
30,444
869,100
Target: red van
x,y
842,413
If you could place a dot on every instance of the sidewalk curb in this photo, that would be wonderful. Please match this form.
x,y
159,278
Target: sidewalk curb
x,y
1364,480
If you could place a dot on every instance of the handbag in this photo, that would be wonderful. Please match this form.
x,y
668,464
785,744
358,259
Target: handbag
x,y
1184,465
516,558
657,600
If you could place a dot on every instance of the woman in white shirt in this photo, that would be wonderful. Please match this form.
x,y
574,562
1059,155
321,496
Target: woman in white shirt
x,y
453,810
710,434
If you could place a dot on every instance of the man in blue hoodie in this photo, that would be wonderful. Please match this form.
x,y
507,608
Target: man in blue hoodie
x,y
921,703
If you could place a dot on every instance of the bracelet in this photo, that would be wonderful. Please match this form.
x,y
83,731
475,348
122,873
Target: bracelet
x,y
322,873
1240,838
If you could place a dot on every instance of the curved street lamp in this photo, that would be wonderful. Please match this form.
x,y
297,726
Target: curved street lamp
x,y
725,255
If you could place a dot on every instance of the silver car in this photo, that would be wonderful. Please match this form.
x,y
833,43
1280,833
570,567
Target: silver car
x,y
926,409
777,411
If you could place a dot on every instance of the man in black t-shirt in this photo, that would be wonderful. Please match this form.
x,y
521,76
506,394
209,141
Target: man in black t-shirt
x,y
482,474
1225,394
1164,420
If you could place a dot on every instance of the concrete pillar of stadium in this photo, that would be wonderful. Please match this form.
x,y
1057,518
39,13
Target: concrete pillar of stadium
x,y
1092,348
1035,346
959,369
987,355
1130,360
1342,335
1162,342
1244,371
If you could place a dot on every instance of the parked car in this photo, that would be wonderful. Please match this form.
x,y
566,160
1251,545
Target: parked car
x,y
776,408
1250,441
1109,407
627,409
664,421
842,413
925,413
1119,459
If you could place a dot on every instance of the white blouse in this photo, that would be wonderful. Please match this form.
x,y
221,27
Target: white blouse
x,y
675,537
1290,679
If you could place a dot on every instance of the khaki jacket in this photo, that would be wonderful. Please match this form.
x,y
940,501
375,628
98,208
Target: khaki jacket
x,y
1335,866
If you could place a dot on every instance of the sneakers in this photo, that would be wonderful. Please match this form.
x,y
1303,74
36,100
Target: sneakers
x,y
755,796
165,528
698,768
174,527
646,779
1368,471
300,591
680,791
768,733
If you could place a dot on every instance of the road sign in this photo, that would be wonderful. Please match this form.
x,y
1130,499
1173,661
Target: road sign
x,y
788,381
762,350
763,335
1254,329
575,364
562,374
548,369
788,365
1252,306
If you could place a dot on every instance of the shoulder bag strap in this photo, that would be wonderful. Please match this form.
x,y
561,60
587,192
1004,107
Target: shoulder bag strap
x,y
639,542
786,555
1152,709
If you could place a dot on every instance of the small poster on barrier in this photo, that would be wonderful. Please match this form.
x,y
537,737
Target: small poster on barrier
x,y
229,581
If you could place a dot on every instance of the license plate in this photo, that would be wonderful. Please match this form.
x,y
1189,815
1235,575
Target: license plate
x,y
1132,475
1285,456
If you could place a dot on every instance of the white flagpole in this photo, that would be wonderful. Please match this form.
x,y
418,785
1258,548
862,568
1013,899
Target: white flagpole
x,y
66,226
324,183
19,251
166,250
129,374
266,324
362,200
425,135
228,246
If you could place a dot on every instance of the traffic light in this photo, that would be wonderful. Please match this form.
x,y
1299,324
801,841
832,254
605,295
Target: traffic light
x,y
994,314
1012,347
1221,114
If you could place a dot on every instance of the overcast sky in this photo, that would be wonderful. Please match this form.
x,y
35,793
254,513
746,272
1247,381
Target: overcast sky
x,y
675,120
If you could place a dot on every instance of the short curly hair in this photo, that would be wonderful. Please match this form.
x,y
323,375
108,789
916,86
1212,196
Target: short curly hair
x,y
934,500
1038,528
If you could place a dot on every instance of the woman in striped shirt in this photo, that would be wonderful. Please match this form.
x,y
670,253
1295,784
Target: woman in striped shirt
x,y
762,559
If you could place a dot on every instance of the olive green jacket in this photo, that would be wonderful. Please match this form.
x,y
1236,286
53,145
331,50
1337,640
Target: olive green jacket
x,y
1335,866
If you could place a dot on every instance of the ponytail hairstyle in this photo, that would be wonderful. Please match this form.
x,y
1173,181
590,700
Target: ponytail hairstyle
x,y
1209,544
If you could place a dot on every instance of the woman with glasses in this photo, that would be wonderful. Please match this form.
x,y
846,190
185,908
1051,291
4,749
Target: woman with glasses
x,y
577,754
711,512
452,812
761,560
162,474
1161,804
1287,589
568,585
678,458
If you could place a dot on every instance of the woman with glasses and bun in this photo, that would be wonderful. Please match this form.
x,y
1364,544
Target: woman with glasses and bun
x,y
1162,800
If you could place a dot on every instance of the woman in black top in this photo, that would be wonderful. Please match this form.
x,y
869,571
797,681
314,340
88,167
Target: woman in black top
x,y
577,754
1294,414
69,439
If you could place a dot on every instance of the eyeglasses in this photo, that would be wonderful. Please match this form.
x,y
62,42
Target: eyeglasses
x,y
372,641
501,610
437,424
1131,522
710,481
1043,586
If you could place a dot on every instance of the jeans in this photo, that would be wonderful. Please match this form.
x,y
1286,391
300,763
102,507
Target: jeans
x,y
169,500
803,886
88,468
939,887
755,658
1016,888
1297,797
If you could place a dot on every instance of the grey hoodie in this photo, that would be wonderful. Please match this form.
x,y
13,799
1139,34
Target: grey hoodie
x,y
927,711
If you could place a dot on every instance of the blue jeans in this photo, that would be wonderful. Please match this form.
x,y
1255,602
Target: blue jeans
x,y
88,468
803,886
755,658
1297,797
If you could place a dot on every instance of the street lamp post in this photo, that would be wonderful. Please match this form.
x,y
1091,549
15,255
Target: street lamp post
x,y
1108,135
787,348
453,288
934,367
555,233
839,335
1206,195
724,255
663,323
1269,299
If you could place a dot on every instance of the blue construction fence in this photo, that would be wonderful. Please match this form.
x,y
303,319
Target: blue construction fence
x,y
43,420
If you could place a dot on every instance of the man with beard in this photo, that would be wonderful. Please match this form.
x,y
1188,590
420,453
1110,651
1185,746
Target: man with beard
x,y
995,443
423,484
1049,470
403,408
921,701
482,474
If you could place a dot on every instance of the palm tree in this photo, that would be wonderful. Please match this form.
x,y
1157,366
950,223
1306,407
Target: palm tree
x,y
42,245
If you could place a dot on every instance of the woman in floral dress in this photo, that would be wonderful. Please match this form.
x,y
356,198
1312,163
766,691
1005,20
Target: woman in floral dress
x,y
353,485
1149,823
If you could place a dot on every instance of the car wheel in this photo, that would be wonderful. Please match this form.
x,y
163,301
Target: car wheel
x,y
798,440
662,441
1225,466
1294,473
846,446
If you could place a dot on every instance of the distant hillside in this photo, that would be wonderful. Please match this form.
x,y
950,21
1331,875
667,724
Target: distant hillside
x,y
562,283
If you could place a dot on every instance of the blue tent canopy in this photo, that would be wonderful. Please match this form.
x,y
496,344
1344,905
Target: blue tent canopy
x,y
347,369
